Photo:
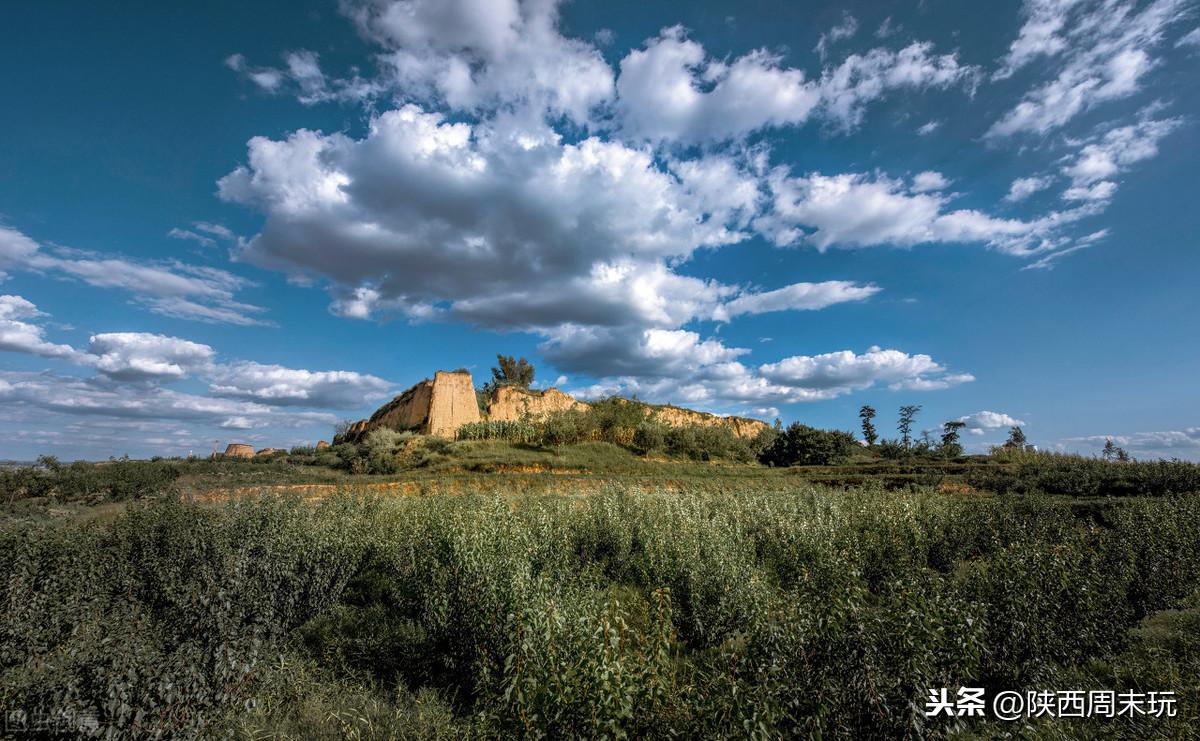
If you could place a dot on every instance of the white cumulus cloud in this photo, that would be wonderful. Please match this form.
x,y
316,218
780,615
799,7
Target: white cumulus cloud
x,y
19,335
984,421
794,297
135,356
280,386
1022,188
477,55
69,395
670,90
861,210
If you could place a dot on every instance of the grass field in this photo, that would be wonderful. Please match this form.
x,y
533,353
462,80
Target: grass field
x,y
587,592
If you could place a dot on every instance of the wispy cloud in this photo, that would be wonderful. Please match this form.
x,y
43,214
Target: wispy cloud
x,y
203,232
1099,52
171,288
844,30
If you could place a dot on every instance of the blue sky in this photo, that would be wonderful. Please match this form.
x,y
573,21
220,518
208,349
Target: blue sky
x,y
231,223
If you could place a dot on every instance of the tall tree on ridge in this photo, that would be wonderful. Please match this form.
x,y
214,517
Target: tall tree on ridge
x,y
950,447
511,372
867,414
907,414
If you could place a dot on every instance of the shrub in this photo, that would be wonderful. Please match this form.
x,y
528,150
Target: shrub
x,y
620,422
157,624
329,459
1023,471
891,449
383,448
614,420
764,439
579,669
801,445
707,611
706,442
116,479
650,437
564,428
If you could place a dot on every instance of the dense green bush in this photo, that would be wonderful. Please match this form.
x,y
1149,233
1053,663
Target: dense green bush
x,y
566,427
707,442
697,613
801,445
116,479
1020,472
157,624
650,437
630,425
891,449
764,439
614,420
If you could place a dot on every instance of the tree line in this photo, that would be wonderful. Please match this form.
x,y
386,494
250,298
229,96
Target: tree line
x,y
947,445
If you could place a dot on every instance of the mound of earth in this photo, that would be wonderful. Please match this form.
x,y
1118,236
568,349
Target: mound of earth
x,y
678,417
441,405
512,403
432,407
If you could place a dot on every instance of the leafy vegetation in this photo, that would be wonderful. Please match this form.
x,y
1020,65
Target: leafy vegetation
x,y
509,371
512,431
582,444
759,610
622,423
1016,438
685,592
867,415
115,480
801,445
1022,471
904,425
950,447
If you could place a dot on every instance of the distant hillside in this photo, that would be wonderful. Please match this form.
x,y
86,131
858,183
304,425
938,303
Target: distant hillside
x,y
447,402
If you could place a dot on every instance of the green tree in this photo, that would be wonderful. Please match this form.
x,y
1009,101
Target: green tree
x,y
950,447
511,372
1112,452
383,446
907,414
801,445
1016,438
867,415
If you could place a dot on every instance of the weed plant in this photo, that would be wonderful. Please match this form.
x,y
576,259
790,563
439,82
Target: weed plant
x,y
715,611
